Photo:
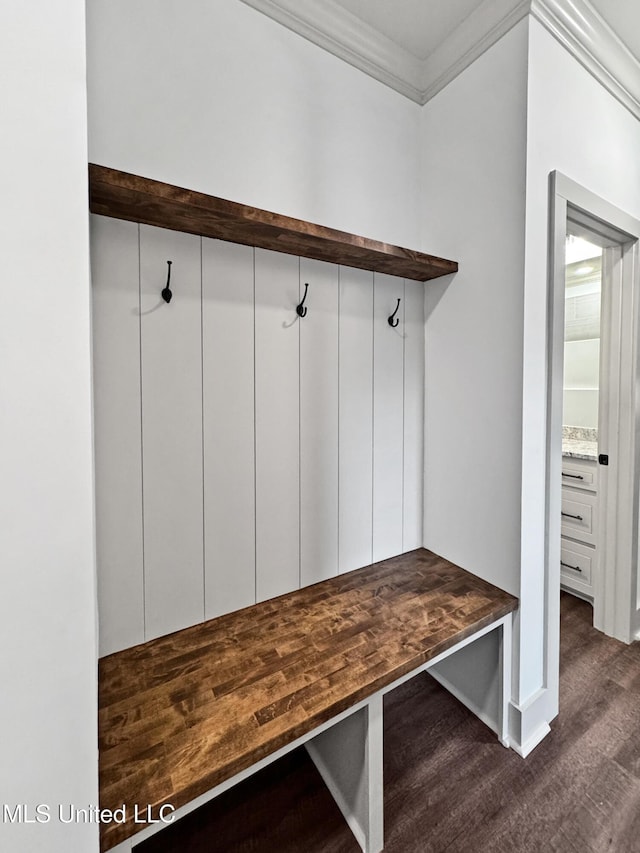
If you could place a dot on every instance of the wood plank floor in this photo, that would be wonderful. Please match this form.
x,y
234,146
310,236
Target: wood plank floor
x,y
450,786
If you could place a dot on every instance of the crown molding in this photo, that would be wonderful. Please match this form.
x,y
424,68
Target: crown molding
x,y
333,28
475,35
588,37
574,23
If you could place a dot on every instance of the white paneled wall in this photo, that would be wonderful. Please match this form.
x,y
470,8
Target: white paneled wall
x,y
171,358
118,430
355,501
243,451
229,414
277,424
413,445
319,422
388,416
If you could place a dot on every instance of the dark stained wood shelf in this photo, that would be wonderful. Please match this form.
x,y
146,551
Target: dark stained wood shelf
x,y
182,713
126,196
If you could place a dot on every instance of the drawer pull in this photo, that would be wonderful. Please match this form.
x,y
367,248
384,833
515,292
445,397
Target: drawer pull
x,y
567,566
573,476
568,515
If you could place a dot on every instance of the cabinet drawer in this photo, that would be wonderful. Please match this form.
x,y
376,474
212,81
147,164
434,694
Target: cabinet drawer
x,y
579,474
579,516
577,563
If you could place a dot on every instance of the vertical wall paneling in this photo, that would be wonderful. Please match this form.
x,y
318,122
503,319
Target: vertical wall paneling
x,y
277,344
172,430
356,419
388,417
319,422
228,421
118,455
413,414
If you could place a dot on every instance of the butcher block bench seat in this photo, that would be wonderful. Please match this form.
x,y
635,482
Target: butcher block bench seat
x,y
184,716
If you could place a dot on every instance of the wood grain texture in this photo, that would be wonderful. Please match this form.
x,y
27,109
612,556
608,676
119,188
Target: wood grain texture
x,y
449,785
126,196
181,713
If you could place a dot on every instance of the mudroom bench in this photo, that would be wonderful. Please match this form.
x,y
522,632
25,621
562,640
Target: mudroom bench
x,y
186,716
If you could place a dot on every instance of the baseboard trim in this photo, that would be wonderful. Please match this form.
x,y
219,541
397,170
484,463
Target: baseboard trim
x,y
523,749
529,721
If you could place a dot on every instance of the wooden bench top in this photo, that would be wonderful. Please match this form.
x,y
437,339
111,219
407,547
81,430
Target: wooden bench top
x,y
182,713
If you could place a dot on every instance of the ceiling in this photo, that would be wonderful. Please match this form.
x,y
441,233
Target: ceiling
x,y
623,16
419,26
417,47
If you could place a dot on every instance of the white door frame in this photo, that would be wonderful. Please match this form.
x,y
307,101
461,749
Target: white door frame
x,y
616,594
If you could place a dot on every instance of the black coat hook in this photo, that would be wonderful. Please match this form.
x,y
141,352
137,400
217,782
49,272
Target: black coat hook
x,y
301,311
390,320
166,292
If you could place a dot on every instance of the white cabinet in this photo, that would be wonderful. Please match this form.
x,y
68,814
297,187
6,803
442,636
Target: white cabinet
x,y
579,544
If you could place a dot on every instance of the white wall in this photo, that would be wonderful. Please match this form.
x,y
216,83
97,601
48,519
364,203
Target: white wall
x,y
486,329
217,97
225,101
581,381
601,155
48,710
473,209
473,138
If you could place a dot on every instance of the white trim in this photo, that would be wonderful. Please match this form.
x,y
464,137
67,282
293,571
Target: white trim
x,y
331,27
523,749
615,593
574,23
529,722
471,38
589,39
553,451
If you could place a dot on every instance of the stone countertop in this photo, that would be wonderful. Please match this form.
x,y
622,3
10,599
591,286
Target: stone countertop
x,y
580,442
580,449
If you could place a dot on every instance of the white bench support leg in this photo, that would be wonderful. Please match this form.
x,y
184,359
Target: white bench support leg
x,y
349,759
505,670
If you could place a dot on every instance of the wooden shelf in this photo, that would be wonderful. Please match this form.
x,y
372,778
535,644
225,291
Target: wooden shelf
x,y
126,196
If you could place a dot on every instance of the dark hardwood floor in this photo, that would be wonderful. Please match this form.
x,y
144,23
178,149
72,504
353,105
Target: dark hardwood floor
x,y
450,786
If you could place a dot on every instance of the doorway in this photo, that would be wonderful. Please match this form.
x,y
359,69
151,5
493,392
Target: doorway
x,y
580,215
580,528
